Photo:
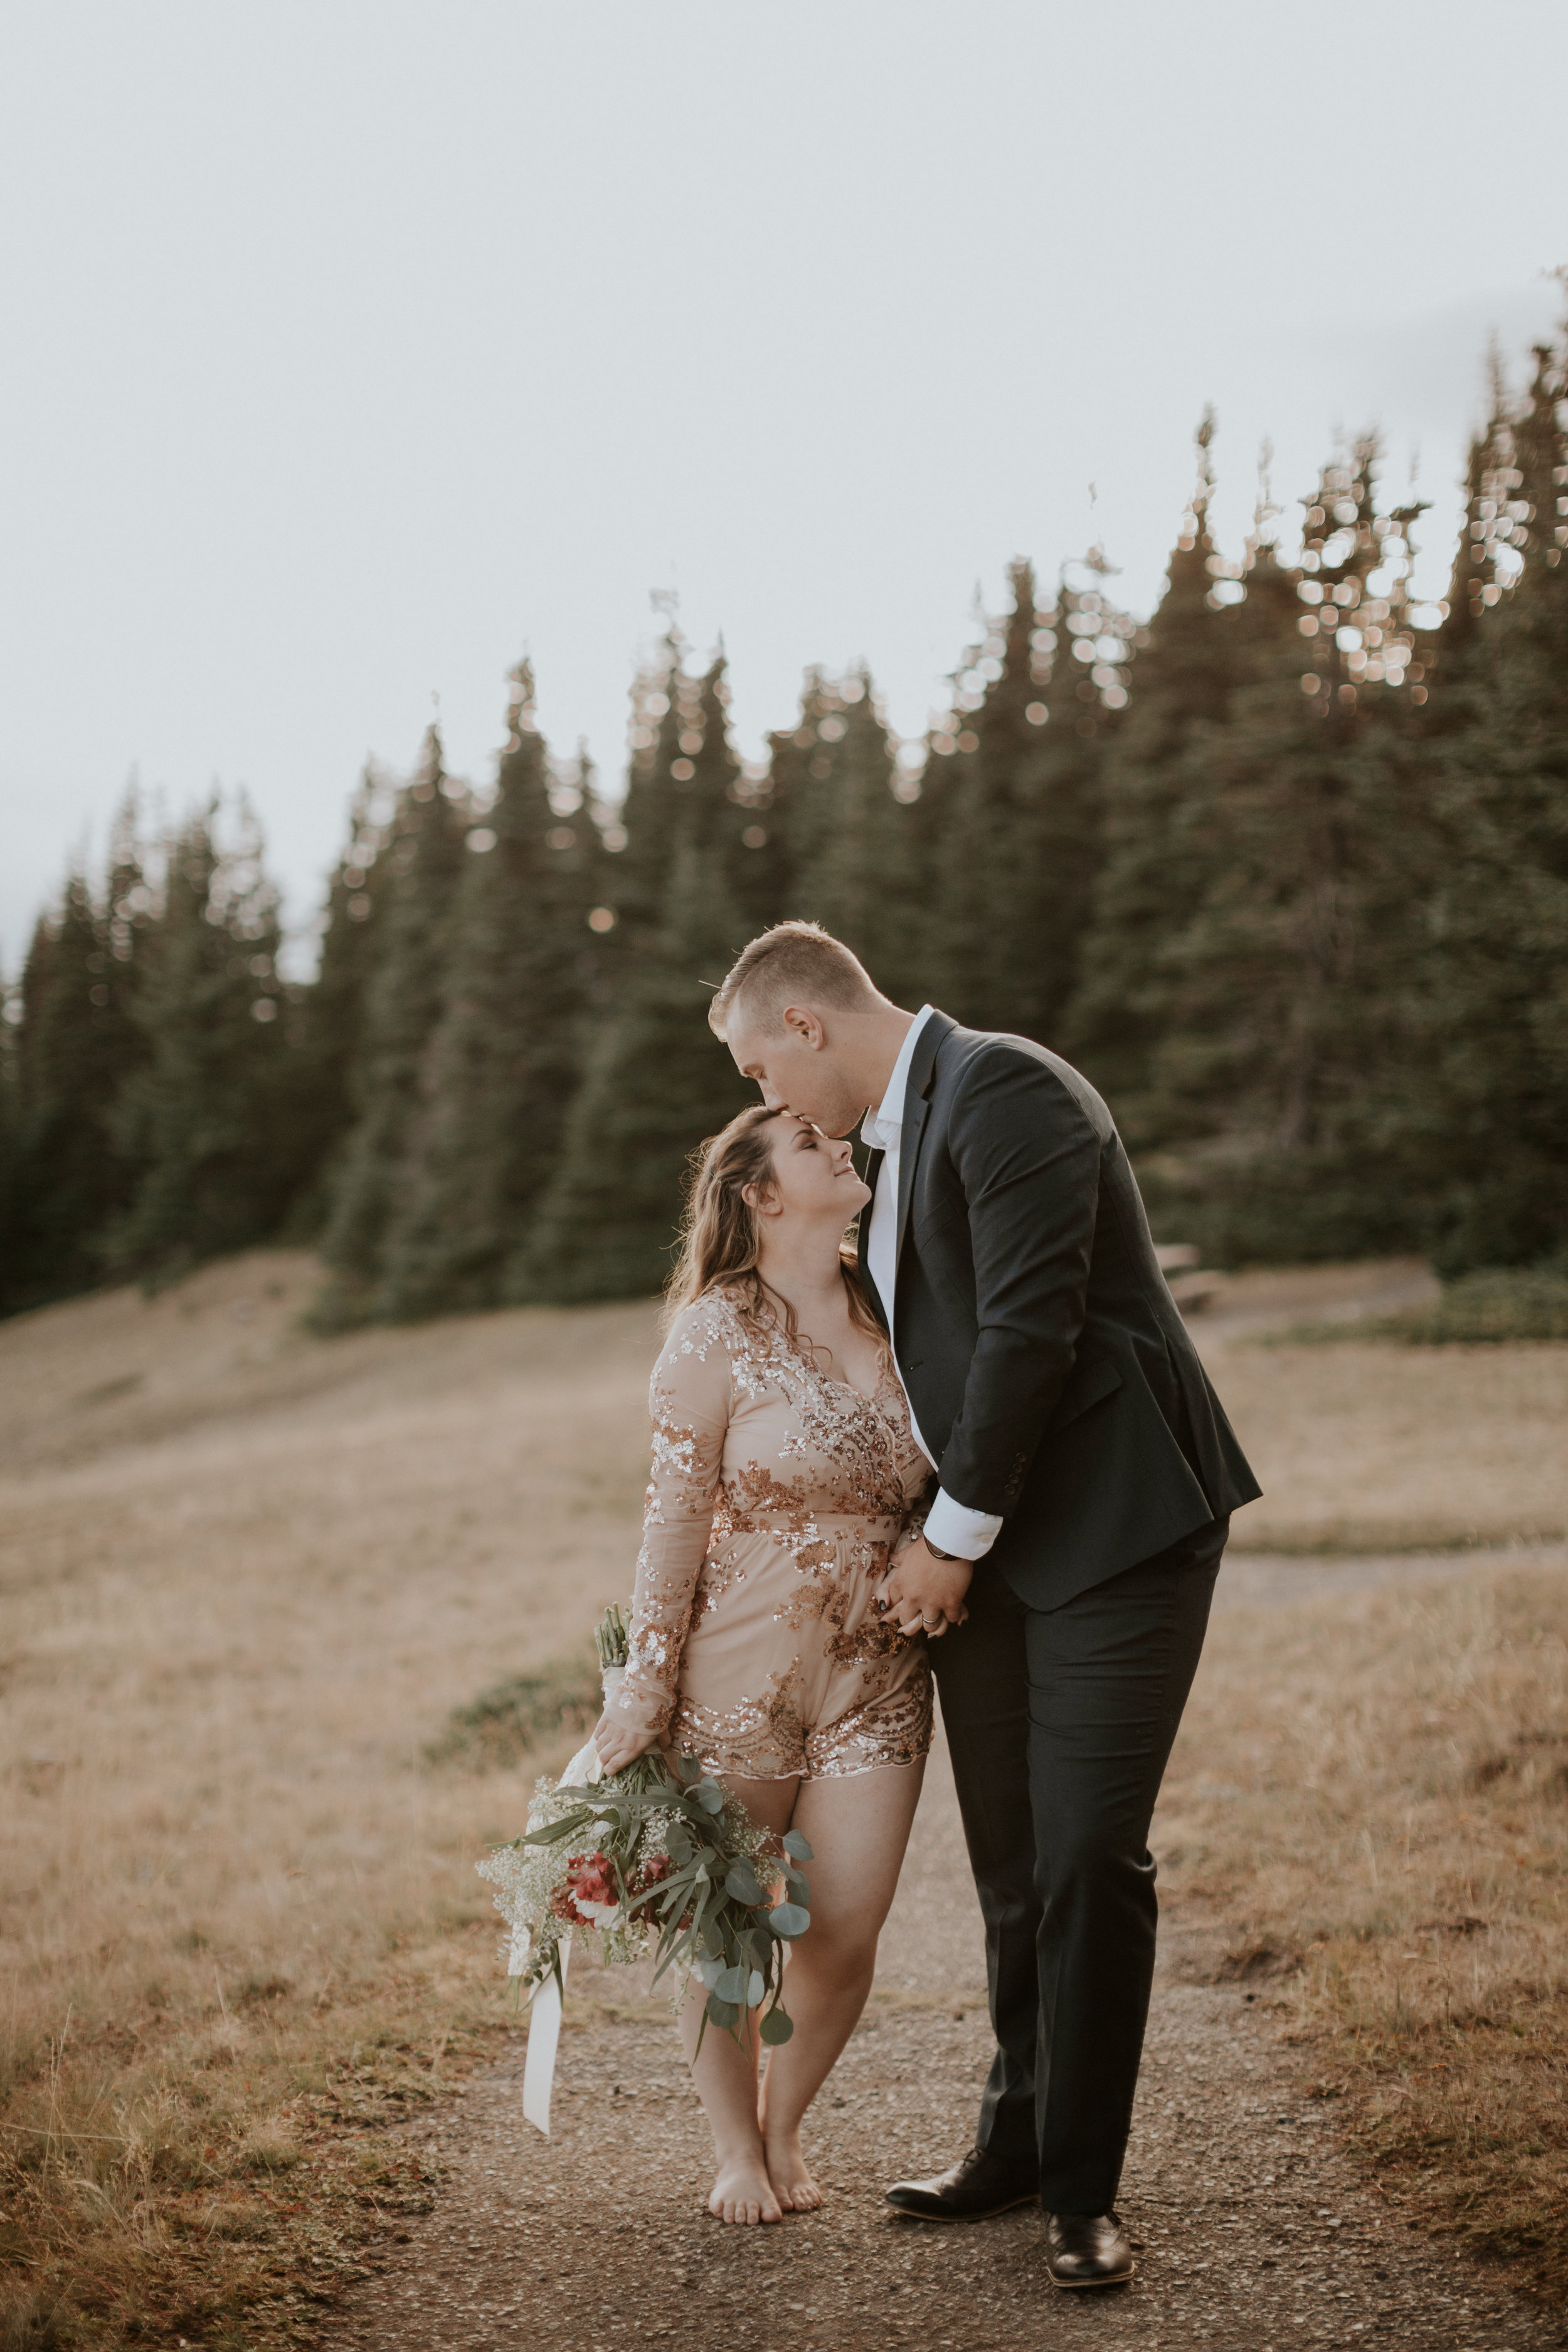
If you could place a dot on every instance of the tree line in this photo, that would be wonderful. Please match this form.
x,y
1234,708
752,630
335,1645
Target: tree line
x,y
1282,869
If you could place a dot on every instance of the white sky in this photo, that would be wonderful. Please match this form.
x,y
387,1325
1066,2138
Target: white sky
x,y
352,346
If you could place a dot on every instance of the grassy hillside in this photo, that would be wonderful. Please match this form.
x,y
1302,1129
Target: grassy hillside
x,y
247,1575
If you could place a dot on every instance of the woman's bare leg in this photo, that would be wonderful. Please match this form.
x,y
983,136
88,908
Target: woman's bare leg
x,y
859,1828
725,2071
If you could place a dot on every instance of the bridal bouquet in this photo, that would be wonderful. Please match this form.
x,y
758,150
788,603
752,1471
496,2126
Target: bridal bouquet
x,y
653,1860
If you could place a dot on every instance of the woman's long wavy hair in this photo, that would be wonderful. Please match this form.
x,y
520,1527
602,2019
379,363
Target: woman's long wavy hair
x,y
721,1232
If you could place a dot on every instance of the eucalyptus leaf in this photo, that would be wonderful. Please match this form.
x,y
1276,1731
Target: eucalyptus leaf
x,y
742,1882
776,2027
726,2013
756,1986
731,1986
710,1797
789,1920
553,1832
793,1843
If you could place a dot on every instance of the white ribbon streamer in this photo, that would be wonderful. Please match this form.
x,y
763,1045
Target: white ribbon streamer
x,y
543,2033
545,2015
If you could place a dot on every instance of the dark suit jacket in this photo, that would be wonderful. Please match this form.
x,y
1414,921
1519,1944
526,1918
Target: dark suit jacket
x,y
1049,1368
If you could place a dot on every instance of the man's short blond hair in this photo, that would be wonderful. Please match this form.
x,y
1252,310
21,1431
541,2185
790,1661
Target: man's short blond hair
x,y
793,964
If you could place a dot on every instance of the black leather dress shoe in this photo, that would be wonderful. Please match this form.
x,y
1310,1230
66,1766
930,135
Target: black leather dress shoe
x,y
975,2188
1088,2250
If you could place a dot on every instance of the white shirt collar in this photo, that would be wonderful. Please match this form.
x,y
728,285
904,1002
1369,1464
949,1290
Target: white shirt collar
x,y
883,1128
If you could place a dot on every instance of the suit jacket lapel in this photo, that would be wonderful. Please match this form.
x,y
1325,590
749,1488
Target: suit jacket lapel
x,y
922,1069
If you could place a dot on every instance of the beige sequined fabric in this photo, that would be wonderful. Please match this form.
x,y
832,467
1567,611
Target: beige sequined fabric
x,y
777,1497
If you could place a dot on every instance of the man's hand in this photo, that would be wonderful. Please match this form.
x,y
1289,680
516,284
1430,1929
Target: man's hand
x,y
921,1591
618,1745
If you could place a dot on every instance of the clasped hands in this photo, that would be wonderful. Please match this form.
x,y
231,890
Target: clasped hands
x,y
924,1594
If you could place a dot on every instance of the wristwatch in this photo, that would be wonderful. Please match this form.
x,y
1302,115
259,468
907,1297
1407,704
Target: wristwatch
x,y
950,1556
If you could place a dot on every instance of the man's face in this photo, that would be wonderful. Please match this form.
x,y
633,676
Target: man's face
x,y
798,1069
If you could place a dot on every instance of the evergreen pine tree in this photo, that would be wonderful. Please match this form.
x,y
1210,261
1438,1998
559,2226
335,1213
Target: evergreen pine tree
x,y
643,837
929,838
799,792
204,1117
743,811
1457,659
72,1049
1181,680
1495,1108
851,840
1012,896
1274,1004
425,858
657,1081
75,1045
505,1058
327,1027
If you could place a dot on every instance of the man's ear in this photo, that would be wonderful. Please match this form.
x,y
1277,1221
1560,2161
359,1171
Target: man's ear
x,y
802,1023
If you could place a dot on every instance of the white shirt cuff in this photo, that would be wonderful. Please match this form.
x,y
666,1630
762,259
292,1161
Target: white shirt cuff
x,y
953,1526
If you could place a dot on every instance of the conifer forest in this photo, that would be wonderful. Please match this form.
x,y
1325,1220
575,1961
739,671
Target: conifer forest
x,y
1283,868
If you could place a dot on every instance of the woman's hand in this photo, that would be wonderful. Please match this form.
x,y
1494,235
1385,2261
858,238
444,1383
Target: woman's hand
x,y
922,1593
619,1744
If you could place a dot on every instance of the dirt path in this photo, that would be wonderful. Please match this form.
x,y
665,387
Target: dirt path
x,y
1254,2234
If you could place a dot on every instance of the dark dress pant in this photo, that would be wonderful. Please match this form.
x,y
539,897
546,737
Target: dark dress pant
x,y
1059,1723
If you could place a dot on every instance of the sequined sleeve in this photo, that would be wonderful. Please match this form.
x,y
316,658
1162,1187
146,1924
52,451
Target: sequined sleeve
x,y
689,1401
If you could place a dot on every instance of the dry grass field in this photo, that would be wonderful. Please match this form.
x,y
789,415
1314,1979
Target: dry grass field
x,y
1371,1792
245,1574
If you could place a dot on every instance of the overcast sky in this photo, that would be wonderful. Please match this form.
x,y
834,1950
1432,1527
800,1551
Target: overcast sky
x,y
353,346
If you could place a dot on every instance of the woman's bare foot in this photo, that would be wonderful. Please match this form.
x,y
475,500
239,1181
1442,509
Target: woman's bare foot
x,y
794,2187
742,2192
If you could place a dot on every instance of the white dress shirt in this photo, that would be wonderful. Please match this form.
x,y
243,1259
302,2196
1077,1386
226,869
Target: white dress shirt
x,y
952,1527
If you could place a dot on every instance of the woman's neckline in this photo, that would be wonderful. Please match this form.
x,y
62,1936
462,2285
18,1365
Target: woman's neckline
x,y
829,1379
796,1348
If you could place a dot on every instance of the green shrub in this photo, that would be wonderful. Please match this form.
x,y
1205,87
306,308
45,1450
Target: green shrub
x,y
505,1723
1493,1305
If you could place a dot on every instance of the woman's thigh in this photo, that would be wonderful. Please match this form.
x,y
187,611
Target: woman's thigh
x,y
858,1827
771,1803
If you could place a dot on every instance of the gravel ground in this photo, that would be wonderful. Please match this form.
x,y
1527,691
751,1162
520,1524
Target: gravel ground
x,y
1252,2230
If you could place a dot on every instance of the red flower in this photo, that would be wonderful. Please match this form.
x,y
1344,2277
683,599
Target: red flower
x,y
591,1892
590,1880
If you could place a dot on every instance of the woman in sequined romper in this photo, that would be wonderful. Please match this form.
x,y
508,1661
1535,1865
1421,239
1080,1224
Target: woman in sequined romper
x,y
785,1475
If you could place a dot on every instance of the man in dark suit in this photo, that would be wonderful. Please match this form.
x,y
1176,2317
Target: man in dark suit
x,y
1087,1474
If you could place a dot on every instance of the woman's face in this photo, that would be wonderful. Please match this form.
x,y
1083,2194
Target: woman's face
x,y
814,1177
